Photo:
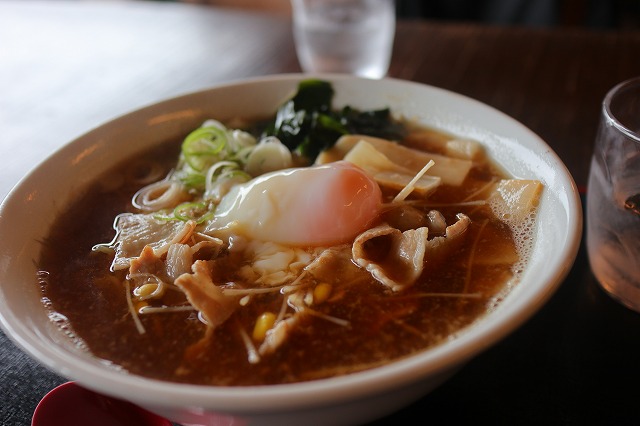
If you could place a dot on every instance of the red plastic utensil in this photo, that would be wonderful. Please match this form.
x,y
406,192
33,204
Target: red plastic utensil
x,y
72,405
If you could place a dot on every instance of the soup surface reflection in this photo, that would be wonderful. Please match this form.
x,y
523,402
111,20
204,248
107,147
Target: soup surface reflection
x,y
422,251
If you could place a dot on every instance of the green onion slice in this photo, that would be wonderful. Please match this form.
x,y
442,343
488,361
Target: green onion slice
x,y
202,146
192,211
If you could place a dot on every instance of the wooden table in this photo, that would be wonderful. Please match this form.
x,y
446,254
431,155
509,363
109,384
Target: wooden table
x,y
68,66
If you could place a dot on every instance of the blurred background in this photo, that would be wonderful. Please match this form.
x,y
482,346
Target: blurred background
x,y
595,14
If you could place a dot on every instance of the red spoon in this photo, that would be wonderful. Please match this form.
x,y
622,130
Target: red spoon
x,y
72,405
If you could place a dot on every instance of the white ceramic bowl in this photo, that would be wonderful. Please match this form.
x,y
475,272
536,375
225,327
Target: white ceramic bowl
x,y
26,215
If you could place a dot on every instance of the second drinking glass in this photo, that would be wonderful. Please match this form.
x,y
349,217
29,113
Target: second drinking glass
x,y
344,36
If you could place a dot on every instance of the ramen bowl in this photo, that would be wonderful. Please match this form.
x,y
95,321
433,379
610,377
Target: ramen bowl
x,y
28,212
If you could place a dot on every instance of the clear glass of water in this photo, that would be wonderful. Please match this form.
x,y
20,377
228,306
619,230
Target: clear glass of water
x,y
344,36
613,196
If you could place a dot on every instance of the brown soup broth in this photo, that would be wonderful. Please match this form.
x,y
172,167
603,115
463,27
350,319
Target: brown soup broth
x,y
383,325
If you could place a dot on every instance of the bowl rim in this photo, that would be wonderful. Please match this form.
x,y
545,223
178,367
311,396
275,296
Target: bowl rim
x,y
447,356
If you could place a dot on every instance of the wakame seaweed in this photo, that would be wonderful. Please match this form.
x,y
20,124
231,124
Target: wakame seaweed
x,y
308,124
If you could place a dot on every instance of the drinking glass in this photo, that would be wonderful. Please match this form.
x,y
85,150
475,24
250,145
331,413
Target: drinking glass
x,y
344,36
613,197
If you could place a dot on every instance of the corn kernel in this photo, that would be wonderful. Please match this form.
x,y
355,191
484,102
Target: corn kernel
x,y
321,292
140,305
145,290
263,324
